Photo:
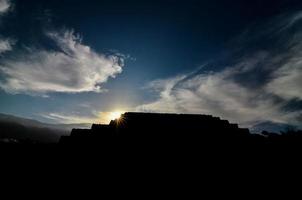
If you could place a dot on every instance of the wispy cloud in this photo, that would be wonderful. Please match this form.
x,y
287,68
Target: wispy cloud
x,y
6,45
70,119
72,68
258,87
287,80
5,5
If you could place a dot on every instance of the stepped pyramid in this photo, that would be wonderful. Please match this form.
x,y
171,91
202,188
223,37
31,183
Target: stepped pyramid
x,y
156,128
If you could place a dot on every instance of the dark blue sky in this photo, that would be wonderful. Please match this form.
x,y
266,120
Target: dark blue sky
x,y
156,40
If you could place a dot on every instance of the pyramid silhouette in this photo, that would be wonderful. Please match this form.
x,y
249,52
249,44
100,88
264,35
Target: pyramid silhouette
x,y
154,127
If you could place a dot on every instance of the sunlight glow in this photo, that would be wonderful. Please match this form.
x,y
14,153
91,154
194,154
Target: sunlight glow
x,y
115,115
107,117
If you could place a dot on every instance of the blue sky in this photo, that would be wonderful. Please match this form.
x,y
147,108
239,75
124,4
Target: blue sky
x,y
74,60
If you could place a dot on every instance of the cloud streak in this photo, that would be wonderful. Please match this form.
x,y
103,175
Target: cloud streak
x,y
69,119
5,5
257,87
6,45
72,68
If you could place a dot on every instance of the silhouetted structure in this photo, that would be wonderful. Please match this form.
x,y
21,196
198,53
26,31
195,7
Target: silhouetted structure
x,y
158,128
181,130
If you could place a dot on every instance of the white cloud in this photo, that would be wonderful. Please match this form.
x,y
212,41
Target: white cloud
x,y
69,119
218,95
256,89
5,45
73,68
4,6
287,82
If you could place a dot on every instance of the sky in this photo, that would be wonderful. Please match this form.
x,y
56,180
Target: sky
x,y
75,61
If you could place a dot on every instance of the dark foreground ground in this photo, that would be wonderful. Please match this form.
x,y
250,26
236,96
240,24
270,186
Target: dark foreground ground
x,y
148,148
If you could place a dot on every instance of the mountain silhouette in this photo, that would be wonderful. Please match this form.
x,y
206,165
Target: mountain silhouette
x,y
19,130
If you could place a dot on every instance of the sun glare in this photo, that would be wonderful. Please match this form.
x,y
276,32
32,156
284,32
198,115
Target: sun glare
x,y
107,117
115,115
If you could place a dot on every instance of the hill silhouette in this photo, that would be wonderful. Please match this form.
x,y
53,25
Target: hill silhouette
x,y
169,130
21,130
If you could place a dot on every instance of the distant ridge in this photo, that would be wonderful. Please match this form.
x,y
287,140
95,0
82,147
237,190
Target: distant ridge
x,y
16,129
36,123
